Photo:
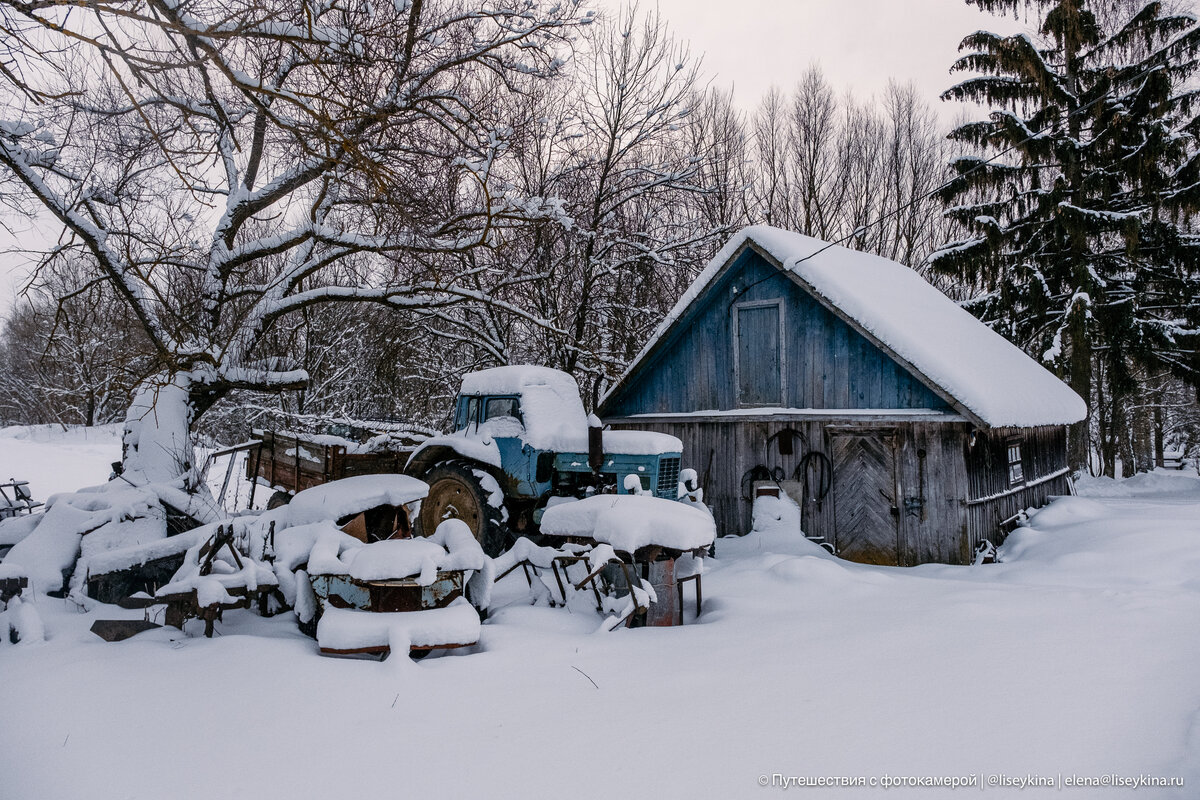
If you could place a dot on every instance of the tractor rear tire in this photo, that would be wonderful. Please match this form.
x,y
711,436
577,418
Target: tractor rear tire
x,y
455,492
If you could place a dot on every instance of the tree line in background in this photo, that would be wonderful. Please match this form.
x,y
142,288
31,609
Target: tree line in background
x,y
335,220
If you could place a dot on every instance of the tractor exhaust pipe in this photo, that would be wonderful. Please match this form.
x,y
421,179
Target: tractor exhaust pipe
x,y
595,443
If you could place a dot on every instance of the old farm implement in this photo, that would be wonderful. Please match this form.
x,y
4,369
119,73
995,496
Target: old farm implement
x,y
15,499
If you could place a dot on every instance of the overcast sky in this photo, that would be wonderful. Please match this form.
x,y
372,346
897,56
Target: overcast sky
x,y
860,44
752,44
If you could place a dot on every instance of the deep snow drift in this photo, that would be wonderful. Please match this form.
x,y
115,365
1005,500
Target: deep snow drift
x,y
1076,655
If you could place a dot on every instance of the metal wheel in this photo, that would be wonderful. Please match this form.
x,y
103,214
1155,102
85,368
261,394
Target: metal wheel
x,y
455,493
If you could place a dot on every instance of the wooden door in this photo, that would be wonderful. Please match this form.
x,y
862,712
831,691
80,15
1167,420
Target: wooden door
x,y
759,353
864,489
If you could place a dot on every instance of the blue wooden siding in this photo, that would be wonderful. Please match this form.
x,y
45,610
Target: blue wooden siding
x,y
827,363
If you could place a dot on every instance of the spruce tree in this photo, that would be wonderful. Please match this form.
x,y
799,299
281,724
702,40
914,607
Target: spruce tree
x,y
1076,206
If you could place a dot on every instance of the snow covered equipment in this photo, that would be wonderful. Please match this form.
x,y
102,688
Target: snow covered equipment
x,y
367,507
641,549
214,578
15,499
118,630
534,559
13,581
521,437
406,592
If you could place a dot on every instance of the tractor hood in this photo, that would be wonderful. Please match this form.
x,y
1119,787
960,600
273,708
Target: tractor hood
x,y
623,443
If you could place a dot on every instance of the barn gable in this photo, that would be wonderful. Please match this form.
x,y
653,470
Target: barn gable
x,y
756,338
781,320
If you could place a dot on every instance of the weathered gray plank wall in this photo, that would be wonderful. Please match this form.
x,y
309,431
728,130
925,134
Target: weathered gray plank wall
x,y
931,524
933,527
992,500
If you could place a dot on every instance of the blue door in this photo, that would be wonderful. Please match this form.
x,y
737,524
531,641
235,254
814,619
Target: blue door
x,y
759,354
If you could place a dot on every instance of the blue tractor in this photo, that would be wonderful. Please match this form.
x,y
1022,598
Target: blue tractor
x,y
522,441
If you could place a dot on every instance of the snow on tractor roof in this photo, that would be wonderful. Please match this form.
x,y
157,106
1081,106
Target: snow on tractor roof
x,y
514,380
959,356
341,498
550,406
553,414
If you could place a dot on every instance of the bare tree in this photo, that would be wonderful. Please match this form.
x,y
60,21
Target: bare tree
x,y
612,142
219,161
820,176
716,134
914,166
851,171
773,173
68,354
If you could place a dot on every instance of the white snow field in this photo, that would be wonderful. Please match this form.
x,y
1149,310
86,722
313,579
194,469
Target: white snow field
x,y
1075,658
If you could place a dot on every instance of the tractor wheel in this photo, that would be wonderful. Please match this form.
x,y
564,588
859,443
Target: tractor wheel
x,y
278,499
455,493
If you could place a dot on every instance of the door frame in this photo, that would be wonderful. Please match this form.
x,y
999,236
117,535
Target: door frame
x,y
737,366
892,435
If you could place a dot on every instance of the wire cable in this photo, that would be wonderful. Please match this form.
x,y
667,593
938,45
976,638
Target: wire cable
x,y
945,185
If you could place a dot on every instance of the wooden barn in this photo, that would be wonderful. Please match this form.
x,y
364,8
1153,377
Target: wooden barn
x,y
908,431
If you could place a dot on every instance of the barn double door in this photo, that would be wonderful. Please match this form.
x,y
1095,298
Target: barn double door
x,y
866,517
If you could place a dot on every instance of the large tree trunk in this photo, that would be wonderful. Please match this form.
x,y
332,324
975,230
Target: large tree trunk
x,y
1143,434
1078,449
157,443
1122,418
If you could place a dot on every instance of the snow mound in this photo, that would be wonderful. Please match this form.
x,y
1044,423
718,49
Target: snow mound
x,y
630,522
14,529
353,495
397,558
775,512
1161,481
345,629
49,551
1068,511
21,622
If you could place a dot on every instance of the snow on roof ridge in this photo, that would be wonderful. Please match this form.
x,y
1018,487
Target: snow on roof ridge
x,y
991,378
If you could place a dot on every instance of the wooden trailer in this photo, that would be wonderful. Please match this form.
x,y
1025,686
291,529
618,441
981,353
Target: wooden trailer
x,y
292,462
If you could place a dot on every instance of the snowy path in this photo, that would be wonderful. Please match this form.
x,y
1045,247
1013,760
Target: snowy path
x,y
1078,655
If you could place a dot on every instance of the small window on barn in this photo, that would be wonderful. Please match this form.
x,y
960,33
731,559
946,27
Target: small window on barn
x,y
1016,474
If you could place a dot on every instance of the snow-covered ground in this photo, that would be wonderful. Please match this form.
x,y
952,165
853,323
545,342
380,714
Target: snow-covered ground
x,y
54,459
1076,656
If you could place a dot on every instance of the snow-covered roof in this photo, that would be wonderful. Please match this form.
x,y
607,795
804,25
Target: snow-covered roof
x,y
983,374
514,379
